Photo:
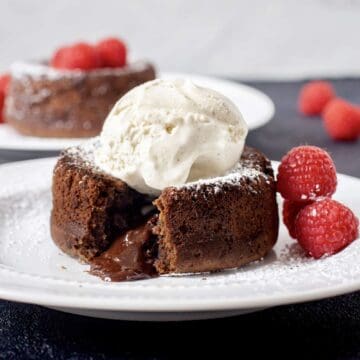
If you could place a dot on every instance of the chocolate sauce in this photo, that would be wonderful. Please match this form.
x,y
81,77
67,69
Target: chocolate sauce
x,y
130,257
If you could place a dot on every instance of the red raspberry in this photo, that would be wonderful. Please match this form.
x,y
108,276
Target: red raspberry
x,y
4,83
112,52
2,100
314,96
290,212
306,173
342,120
78,56
57,58
325,227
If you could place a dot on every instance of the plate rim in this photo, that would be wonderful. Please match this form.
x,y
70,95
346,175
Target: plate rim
x,y
42,296
194,305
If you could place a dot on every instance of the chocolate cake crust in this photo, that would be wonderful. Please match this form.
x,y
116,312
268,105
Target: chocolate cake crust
x,y
45,102
203,226
221,223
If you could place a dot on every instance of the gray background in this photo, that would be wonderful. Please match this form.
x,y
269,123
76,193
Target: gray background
x,y
244,39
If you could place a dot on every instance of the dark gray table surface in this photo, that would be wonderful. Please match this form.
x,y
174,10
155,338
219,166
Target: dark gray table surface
x,y
323,329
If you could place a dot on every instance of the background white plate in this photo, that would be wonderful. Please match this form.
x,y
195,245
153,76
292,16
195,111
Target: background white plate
x,y
33,270
256,107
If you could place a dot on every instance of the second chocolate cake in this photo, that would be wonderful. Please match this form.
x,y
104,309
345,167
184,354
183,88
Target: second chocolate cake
x,y
48,102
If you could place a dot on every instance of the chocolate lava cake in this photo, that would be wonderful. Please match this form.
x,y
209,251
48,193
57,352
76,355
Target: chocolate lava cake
x,y
47,102
204,226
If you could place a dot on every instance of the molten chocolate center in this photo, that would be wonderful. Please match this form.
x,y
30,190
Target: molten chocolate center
x,y
130,257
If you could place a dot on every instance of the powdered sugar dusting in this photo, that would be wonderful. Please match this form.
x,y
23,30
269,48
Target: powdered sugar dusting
x,y
38,70
85,151
244,169
233,177
84,154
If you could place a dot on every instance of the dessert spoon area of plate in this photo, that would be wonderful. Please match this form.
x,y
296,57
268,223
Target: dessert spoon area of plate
x,y
256,107
47,277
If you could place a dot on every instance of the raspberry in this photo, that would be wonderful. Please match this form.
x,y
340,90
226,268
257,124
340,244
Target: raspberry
x,y
4,83
342,120
57,58
314,96
306,173
325,227
112,52
2,100
78,56
290,212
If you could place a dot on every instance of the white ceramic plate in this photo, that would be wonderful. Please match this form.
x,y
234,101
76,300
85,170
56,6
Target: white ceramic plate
x,y
33,270
256,107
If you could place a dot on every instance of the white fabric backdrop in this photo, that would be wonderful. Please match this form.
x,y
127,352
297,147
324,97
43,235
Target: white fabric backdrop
x,y
247,39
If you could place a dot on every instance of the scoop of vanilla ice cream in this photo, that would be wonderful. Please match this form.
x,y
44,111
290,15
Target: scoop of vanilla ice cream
x,y
169,132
